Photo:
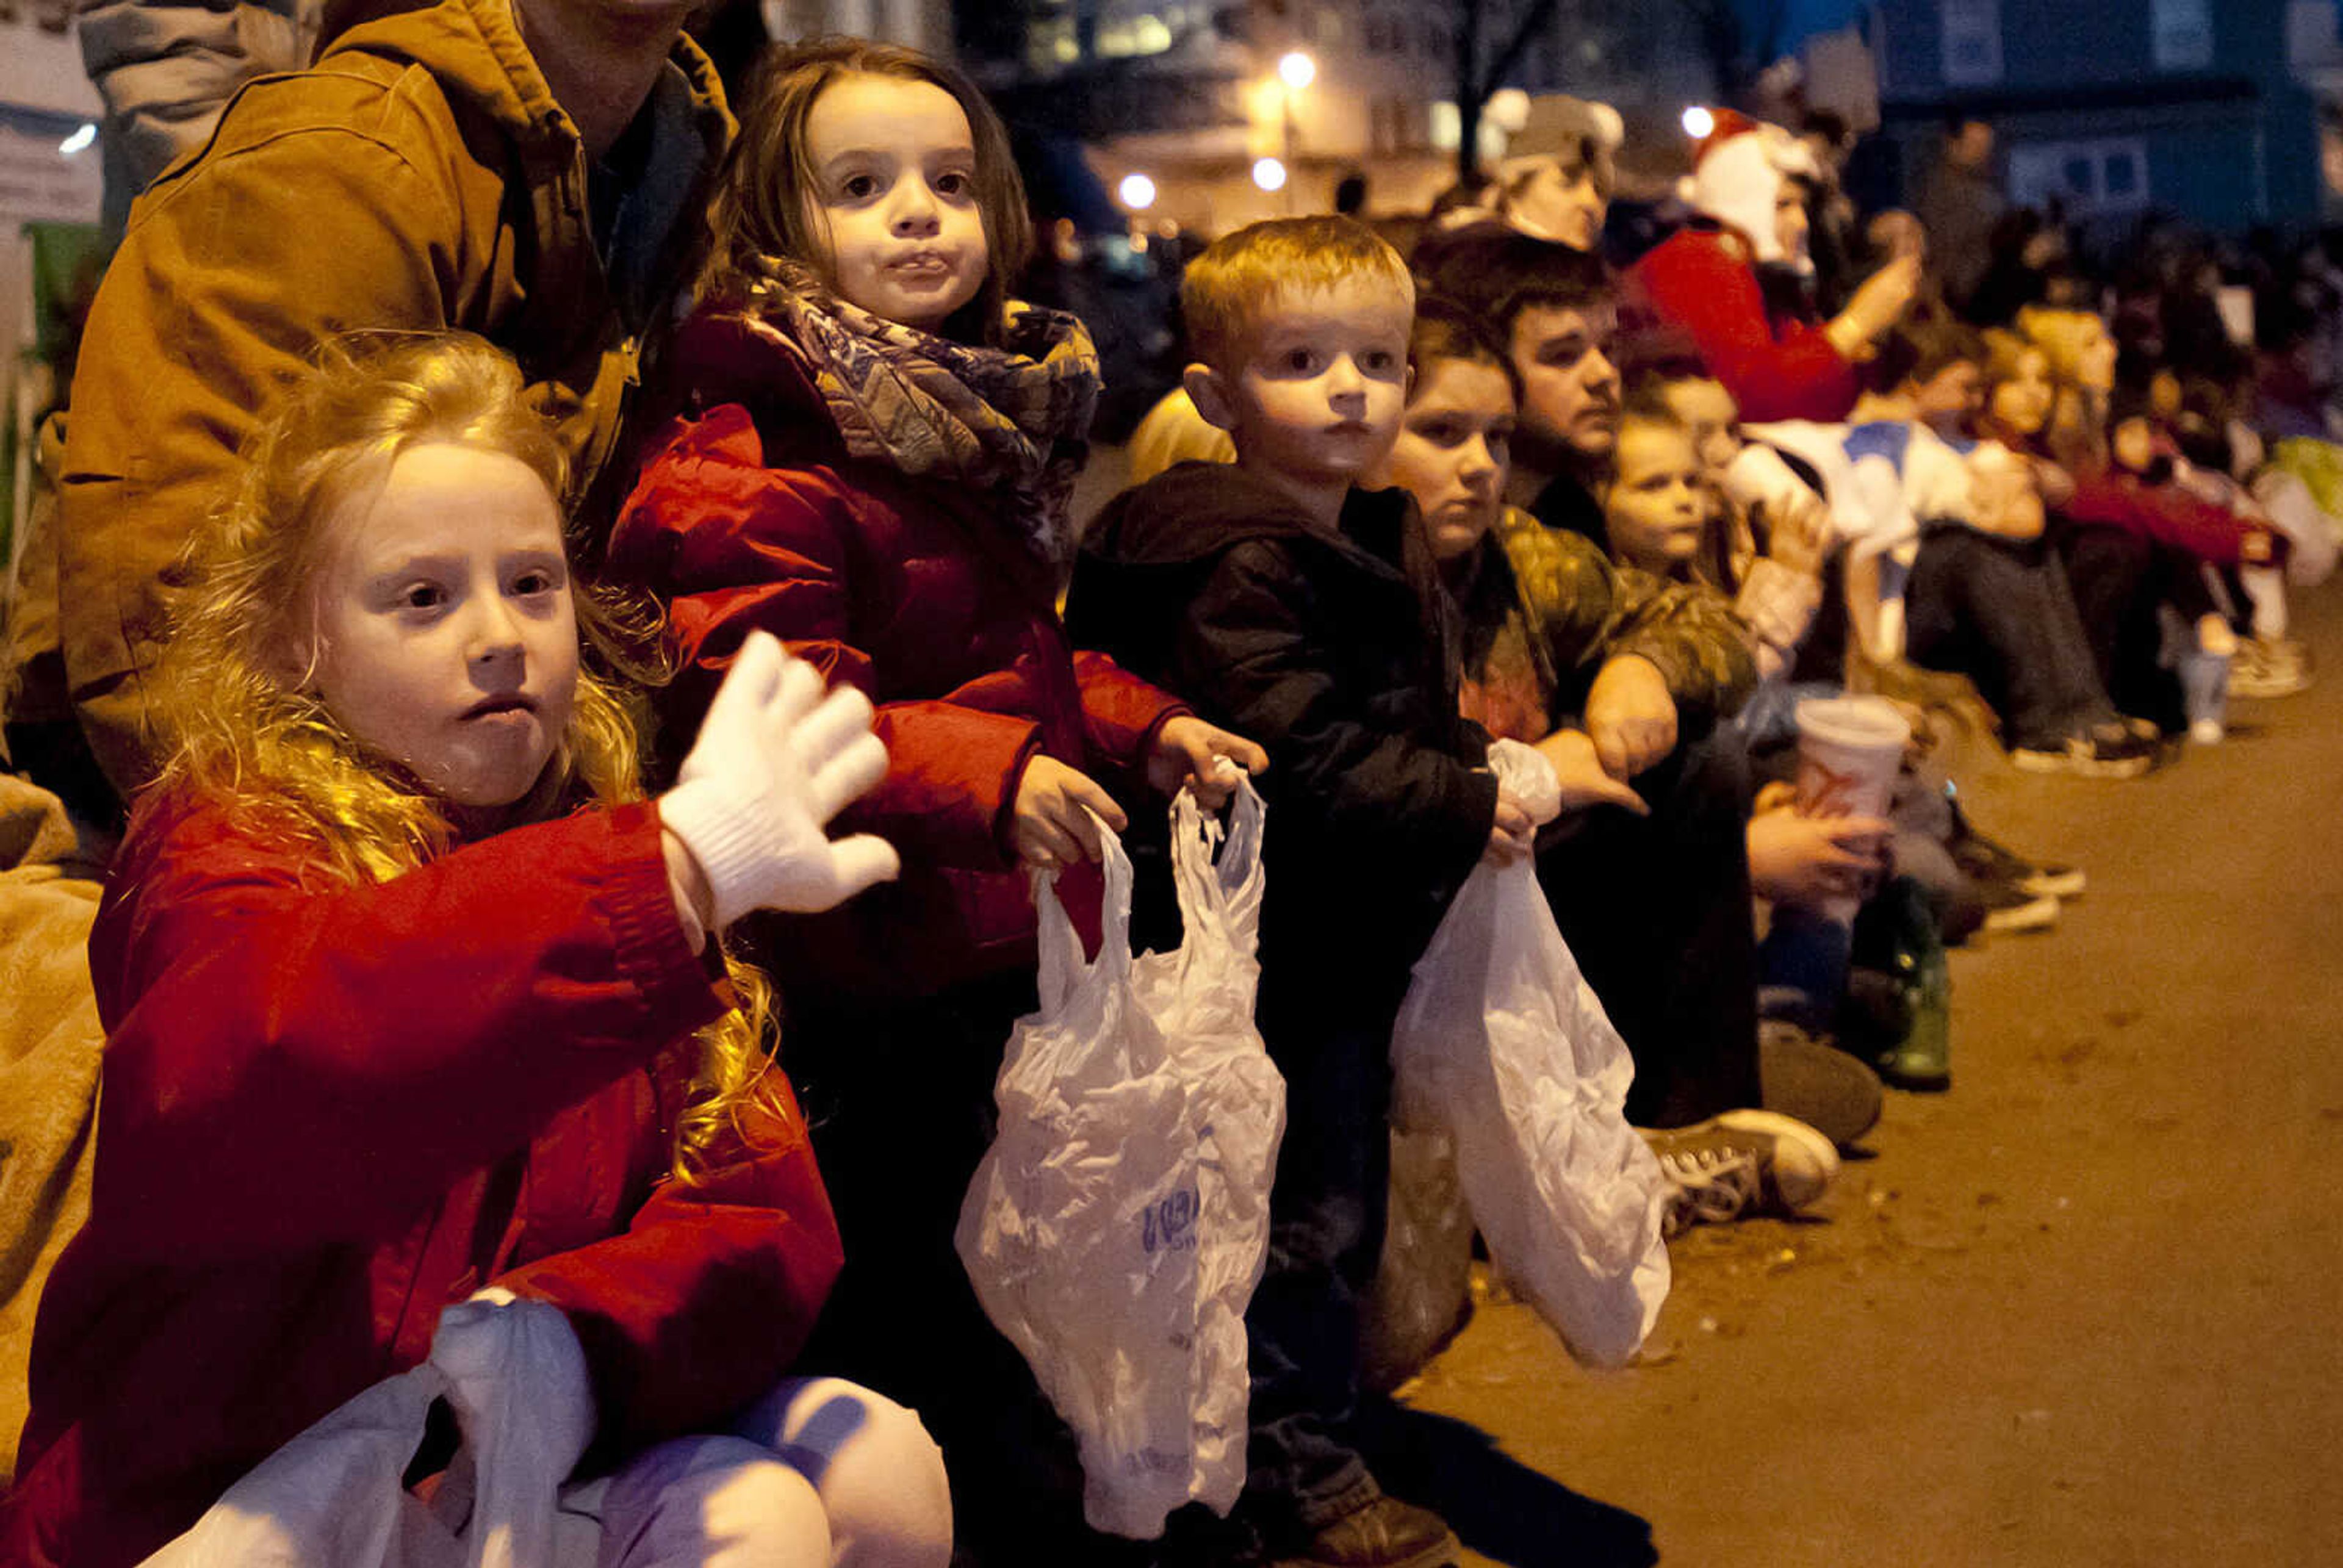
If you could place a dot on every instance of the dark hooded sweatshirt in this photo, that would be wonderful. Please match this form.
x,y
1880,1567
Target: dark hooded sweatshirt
x,y
1330,650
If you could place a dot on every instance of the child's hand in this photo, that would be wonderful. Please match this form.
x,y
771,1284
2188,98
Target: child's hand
x,y
1580,773
1052,826
1513,835
775,761
1809,861
1798,532
1203,756
1631,717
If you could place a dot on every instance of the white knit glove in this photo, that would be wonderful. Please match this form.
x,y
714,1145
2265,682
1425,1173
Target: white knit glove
x,y
775,761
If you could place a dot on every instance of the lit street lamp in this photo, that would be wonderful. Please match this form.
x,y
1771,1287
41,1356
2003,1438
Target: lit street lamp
x,y
1296,70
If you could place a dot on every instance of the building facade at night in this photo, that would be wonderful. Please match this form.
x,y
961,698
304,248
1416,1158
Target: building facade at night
x,y
2207,110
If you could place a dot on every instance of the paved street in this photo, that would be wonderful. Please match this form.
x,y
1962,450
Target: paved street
x,y
2083,1310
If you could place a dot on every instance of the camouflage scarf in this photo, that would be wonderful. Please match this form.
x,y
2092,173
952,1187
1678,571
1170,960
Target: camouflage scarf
x,y
1012,418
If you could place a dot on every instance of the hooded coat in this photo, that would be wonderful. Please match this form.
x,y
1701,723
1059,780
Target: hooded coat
x,y
420,175
332,1111
1329,648
754,516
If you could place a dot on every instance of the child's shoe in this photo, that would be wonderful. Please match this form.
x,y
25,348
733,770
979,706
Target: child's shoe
x,y
2265,667
1386,1533
1739,1164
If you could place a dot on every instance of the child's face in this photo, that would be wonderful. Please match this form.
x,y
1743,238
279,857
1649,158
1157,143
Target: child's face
x,y
1656,506
895,191
1706,409
2135,444
1570,390
1324,377
1952,392
444,636
2023,402
1452,451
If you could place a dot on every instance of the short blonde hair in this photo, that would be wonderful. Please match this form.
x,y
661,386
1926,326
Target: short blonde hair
x,y
1228,289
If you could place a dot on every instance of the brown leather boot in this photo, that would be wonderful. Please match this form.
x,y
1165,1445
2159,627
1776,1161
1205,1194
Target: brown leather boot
x,y
1386,1533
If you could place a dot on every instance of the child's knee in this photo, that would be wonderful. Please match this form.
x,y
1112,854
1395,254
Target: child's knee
x,y
713,1503
880,1475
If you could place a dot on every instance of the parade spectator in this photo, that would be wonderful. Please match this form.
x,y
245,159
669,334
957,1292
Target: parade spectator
x,y
874,465
1738,281
1608,669
1961,203
1290,603
411,993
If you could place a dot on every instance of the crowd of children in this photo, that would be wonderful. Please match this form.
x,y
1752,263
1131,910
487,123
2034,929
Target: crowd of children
x,y
428,976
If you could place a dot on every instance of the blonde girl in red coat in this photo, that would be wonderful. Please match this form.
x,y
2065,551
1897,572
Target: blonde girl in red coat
x,y
873,460
411,993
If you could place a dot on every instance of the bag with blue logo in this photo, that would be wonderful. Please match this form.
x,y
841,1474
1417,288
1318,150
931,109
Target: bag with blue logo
x,y
1117,1227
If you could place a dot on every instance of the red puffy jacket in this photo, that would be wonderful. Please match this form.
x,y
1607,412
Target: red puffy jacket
x,y
1702,280
332,1111
754,516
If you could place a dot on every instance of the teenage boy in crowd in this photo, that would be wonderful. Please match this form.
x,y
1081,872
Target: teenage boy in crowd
x,y
1656,908
1282,599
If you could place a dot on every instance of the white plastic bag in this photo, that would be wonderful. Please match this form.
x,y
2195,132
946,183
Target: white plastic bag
x,y
331,1498
1502,1042
1116,1228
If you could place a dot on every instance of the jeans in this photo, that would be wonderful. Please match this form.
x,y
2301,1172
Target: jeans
x,y
1656,910
2000,611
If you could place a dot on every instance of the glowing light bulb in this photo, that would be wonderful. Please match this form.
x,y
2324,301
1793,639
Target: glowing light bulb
x,y
1698,121
1297,70
1136,191
1269,174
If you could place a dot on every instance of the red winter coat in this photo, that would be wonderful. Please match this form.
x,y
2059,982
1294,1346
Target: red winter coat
x,y
754,516
1702,280
2166,514
332,1111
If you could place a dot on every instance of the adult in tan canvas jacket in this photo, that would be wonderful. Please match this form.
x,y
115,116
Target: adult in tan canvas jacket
x,y
531,170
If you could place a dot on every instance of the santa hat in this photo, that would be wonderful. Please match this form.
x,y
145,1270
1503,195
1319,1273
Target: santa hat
x,y
1737,171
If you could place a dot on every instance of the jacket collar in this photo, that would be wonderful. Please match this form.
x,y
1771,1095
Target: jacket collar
x,y
474,49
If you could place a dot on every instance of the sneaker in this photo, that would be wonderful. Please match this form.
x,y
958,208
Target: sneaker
x,y
2110,751
1386,1533
1981,860
1815,1084
2010,909
2265,667
1739,1164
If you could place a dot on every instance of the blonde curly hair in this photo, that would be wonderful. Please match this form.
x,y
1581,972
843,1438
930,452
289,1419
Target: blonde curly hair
x,y
230,701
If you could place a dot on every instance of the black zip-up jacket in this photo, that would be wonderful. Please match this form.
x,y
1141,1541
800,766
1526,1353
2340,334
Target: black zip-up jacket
x,y
1332,651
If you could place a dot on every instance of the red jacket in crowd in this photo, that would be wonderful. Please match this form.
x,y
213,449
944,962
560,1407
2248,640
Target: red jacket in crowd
x,y
1702,280
332,1111
754,516
2165,513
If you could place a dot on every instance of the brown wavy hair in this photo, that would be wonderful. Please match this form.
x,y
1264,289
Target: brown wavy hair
x,y
765,208
230,701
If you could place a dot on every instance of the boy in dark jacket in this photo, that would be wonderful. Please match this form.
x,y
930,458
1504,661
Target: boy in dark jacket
x,y
1290,605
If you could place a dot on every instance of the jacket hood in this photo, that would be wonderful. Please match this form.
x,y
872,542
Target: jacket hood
x,y
474,50
1195,512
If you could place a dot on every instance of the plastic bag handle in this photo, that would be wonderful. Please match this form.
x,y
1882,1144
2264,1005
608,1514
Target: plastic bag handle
x,y
1220,897
1061,969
